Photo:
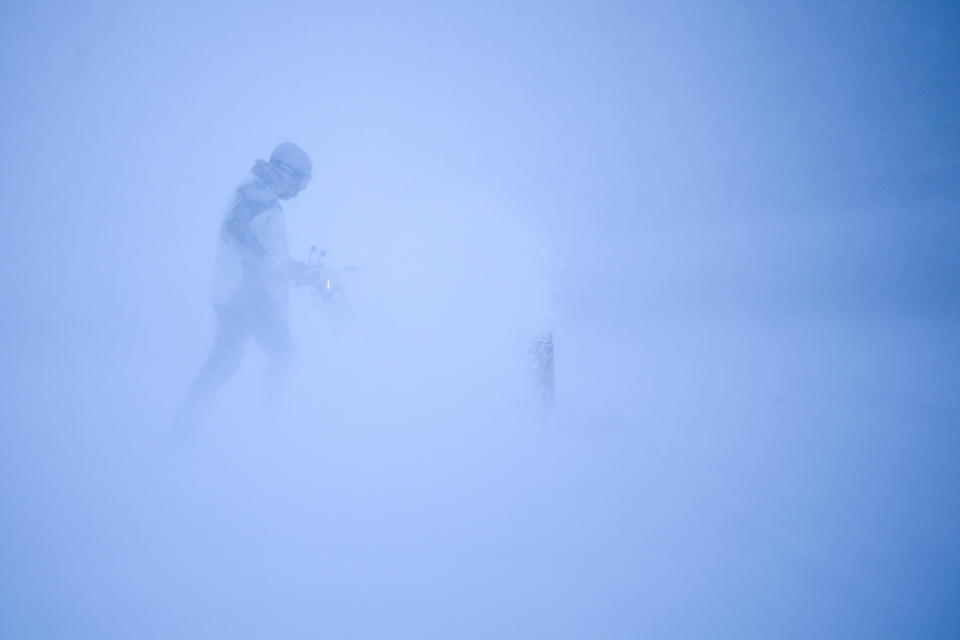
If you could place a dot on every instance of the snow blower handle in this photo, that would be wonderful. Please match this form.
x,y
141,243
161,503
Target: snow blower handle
x,y
315,256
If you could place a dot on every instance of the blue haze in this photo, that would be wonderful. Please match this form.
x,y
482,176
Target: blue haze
x,y
740,220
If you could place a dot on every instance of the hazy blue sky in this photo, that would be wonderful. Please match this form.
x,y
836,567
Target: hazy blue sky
x,y
596,121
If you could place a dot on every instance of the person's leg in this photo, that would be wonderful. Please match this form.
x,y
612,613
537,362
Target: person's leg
x,y
543,368
222,362
272,332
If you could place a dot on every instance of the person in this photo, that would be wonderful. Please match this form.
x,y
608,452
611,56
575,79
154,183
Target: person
x,y
252,274
543,368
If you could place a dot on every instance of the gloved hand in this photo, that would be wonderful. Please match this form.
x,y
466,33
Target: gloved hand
x,y
303,274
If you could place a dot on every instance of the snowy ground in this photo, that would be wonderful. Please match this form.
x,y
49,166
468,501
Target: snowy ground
x,y
715,479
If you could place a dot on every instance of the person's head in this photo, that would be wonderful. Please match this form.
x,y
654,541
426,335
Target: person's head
x,y
291,167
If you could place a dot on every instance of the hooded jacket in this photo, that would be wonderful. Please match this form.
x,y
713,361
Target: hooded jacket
x,y
252,255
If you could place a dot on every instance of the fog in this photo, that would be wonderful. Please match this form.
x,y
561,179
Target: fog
x,y
739,224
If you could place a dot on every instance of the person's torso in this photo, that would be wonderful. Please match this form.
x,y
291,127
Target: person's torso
x,y
252,247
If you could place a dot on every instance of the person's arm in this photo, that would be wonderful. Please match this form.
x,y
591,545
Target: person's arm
x,y
237,228
270,235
